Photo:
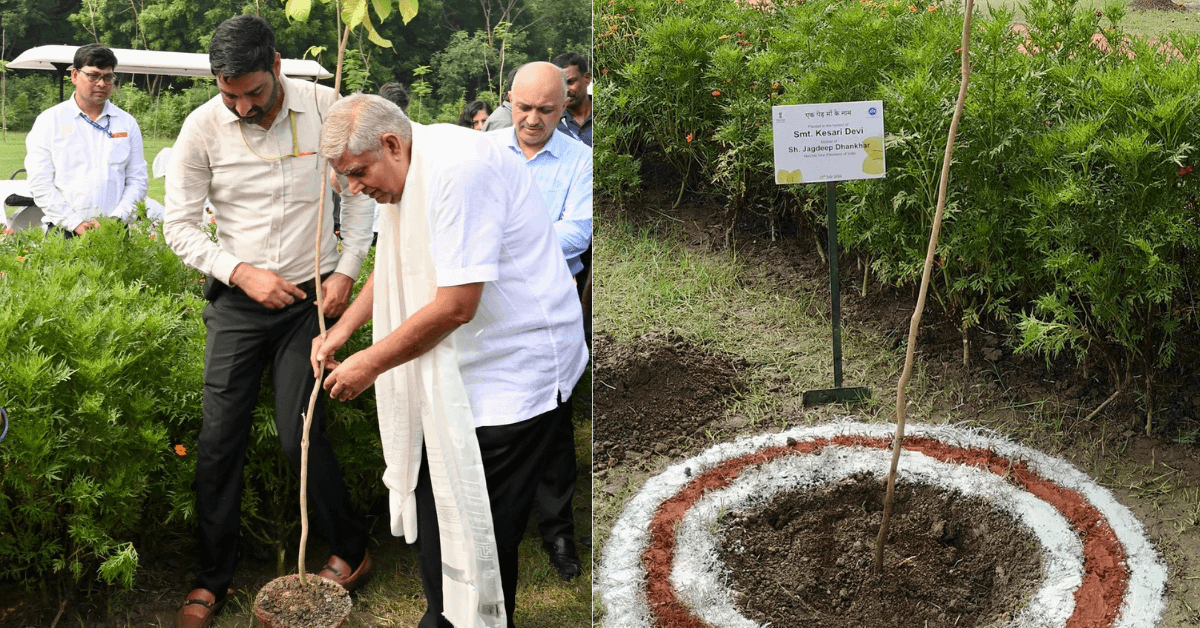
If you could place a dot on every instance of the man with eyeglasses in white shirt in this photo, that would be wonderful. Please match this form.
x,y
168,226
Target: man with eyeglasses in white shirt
x,y
84,157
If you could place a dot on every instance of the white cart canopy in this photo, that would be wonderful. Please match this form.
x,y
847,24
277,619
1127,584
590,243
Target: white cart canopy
x,y
151,62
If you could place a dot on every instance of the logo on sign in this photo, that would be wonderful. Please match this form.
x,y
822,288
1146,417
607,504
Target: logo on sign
x,y
873,111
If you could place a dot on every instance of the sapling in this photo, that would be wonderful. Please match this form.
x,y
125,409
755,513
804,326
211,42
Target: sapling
x,y
352,13
915,323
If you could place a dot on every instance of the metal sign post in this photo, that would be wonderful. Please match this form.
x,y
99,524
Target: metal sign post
x,y
837,393
830,142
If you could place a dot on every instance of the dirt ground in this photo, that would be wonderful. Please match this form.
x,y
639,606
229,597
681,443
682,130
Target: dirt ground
x,y
804,553
1045,406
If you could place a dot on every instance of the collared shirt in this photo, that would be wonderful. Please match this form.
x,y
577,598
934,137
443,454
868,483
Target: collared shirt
x,y
562,170
265,208
568,125
489,224
77,172
501,118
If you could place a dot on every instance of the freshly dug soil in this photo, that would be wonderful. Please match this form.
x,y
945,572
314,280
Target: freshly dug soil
x,y
290,604
1156,5
807,559
655,394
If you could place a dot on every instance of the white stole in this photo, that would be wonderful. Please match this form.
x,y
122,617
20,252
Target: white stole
x,y
426,399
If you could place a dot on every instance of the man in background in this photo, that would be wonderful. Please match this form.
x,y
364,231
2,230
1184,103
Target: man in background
x,y
577,119
562,169
84,157
501,118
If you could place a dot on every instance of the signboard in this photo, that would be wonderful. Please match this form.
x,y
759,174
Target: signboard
x,y
828,142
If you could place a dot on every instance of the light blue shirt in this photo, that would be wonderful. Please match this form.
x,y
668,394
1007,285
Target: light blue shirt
x,y
562,171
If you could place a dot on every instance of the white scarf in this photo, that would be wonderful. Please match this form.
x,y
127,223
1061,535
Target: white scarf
x,y
426,398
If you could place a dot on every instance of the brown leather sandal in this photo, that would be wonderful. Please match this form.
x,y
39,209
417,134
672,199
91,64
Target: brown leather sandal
x,y
336,570
199,609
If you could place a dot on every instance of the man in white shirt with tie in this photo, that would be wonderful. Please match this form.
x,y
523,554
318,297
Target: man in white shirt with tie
x,y
84,157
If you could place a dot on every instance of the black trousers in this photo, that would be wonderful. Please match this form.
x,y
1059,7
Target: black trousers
x,y
512,459
556,487
243,338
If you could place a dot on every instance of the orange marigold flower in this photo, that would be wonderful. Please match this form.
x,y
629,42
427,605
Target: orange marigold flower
x,y
20,258
912,9
180,450
689,137
716,92
933,7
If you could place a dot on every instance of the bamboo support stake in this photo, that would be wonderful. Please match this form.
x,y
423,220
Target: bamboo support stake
x,y
316,391
915,324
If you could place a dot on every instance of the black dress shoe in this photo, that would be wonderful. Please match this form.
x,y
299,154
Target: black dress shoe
x,y
564,558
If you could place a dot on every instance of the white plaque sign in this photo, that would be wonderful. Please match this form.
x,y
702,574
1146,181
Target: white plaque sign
x,y
828,142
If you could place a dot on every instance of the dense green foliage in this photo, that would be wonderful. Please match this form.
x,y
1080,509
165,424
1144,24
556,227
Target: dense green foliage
x,y
1070,216
103,345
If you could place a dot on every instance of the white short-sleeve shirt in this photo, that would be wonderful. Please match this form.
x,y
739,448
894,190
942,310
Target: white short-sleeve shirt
x,y
488,223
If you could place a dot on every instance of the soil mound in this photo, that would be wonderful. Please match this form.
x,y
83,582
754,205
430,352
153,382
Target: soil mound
x,y
1156,5
951,560
655,394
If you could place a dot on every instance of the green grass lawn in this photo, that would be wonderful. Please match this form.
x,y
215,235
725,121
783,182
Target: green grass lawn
x,y
1152,23
12,158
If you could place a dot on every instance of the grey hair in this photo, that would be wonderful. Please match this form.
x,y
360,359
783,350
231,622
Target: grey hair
x,y
355,125
562,75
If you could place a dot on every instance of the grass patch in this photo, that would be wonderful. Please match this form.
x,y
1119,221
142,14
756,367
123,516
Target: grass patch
x,y
1136,22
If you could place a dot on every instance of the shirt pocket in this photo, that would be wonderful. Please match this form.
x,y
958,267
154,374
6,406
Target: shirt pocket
x,y
303,179
116,151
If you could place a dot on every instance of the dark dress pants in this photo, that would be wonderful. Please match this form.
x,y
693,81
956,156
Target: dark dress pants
x,y
243,338
557,486
512,461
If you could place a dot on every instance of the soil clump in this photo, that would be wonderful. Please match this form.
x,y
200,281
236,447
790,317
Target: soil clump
x,y
656,394
290,603
1156,5
807,559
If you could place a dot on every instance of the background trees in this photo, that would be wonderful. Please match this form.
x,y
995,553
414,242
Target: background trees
x,y
465,45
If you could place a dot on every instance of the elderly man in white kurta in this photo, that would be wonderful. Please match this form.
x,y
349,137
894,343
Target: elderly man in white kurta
x,y
478,344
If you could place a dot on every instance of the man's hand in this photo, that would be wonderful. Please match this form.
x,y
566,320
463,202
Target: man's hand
x,y
335,294
323,348
268,289
351,377
86,226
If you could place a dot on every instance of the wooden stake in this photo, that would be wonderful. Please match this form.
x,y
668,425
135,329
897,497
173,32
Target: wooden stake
x,y
915,324
316,391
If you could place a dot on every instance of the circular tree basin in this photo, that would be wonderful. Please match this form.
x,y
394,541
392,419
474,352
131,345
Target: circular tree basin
x,y
779,529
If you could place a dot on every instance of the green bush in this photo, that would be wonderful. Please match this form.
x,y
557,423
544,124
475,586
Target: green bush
x,y
102,345
1069,216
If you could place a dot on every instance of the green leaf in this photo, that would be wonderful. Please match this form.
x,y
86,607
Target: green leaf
x,y
408,9
383,8
372,35
298,10
315,51
353,12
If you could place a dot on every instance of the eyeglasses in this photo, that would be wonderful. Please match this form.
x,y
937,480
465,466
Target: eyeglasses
x,y
96,77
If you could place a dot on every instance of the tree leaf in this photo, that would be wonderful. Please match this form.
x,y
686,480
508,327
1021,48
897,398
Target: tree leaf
x,y
353,12
408,9
383,8
372,35
298,10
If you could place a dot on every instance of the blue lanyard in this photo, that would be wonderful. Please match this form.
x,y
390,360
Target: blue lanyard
x,y
104,129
